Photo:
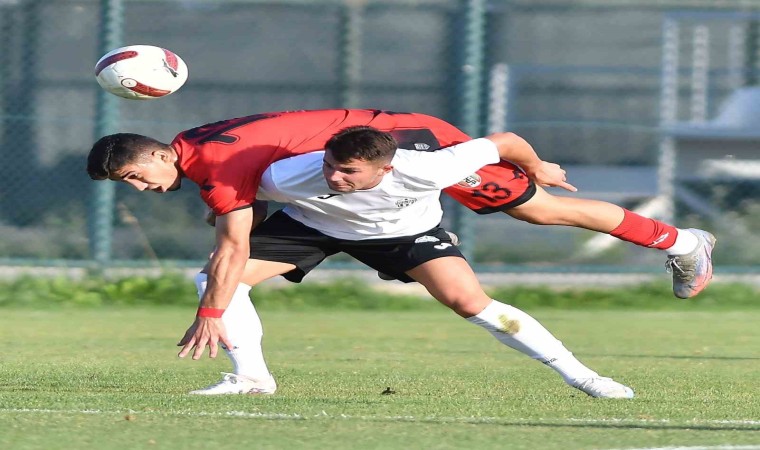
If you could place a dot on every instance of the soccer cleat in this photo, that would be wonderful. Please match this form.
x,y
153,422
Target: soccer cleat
x,y
692,272
602,387
238,384
454,241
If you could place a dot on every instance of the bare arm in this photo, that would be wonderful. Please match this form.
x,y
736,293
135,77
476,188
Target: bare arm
x,y
517,150
232,251
260,208
224,270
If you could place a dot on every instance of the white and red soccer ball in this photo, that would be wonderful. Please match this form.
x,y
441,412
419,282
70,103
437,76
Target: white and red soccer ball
x,y
141,72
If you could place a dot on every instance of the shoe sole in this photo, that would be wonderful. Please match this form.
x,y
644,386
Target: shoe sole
x,y
232,393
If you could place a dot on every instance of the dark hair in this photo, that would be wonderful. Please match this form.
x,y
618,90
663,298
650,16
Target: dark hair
x,y
361,142
115,151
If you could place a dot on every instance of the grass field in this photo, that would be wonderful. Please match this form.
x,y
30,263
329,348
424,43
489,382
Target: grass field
x,y
109,378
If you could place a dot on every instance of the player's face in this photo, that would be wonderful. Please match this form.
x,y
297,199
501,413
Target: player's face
x,y
353,175
155,172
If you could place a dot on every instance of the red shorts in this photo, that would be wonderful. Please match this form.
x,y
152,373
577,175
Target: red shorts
x,y
493,188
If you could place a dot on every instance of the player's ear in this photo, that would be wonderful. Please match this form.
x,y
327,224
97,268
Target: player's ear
x,y
387,168
162,155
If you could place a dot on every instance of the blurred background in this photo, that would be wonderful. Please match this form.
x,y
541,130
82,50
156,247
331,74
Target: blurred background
x,y
652,105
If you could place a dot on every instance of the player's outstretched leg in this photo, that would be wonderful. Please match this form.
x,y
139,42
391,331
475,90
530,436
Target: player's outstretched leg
x,y
251,375
453,283
689,251
520,331
693,271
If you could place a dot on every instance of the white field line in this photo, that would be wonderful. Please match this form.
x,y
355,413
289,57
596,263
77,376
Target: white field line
x,y
427,419
699,447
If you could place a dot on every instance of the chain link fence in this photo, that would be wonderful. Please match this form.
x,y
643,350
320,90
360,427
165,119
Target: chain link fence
x,y
587,82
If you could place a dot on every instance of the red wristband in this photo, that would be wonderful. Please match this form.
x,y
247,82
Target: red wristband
x,y
210,312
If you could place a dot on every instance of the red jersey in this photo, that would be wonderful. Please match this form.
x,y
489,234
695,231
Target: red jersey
x,y
226,159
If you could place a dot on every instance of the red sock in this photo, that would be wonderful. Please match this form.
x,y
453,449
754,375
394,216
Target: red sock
x,y
646,232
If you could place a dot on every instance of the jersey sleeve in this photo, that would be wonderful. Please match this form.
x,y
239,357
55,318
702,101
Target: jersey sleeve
x,y
230,189
442,168
226,159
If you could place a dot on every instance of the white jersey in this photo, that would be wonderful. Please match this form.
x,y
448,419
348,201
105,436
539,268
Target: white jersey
x,y
406,201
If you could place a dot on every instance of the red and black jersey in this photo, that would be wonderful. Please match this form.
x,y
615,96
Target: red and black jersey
x,y
226,159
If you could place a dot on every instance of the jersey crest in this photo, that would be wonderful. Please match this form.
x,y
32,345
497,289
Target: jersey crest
x,y
404,202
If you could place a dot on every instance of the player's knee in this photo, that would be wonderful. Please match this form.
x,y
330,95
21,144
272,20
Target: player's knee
x,y
466,304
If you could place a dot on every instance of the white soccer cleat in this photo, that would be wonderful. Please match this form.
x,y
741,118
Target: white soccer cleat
x,y
238,384
692,272
602,387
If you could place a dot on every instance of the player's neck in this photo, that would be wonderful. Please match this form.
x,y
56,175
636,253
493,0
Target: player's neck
x,y
376,184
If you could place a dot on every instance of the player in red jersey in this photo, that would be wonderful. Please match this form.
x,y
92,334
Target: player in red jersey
x,y
261,139
226,159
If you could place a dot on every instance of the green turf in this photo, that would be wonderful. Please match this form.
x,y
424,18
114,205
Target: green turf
x,y
109,378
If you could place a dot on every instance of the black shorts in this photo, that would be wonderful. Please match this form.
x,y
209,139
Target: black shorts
x,y
281,238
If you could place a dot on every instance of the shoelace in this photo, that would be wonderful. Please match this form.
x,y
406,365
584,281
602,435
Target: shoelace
x,y
228,377
672,266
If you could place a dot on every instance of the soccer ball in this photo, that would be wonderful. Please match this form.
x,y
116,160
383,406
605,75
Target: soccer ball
x,y
141,72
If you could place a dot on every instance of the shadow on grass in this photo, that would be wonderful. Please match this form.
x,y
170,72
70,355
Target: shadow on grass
x,y
605,425
722,358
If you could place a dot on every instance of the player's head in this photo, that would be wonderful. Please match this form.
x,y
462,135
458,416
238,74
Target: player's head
x,y
357,158
142,162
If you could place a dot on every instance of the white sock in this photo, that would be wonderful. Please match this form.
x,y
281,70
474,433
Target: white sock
x,y
244,331
685,243
518,330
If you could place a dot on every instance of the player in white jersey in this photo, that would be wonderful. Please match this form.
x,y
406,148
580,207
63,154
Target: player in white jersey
x,y
380,205
404,202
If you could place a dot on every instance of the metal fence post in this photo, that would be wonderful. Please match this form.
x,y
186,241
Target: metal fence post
x,y
350,56
20,132
669,82
469,87
106,122
752,52
499,98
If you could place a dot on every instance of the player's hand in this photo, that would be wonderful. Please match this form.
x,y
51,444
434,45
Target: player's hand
x,y
551,175
205,331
